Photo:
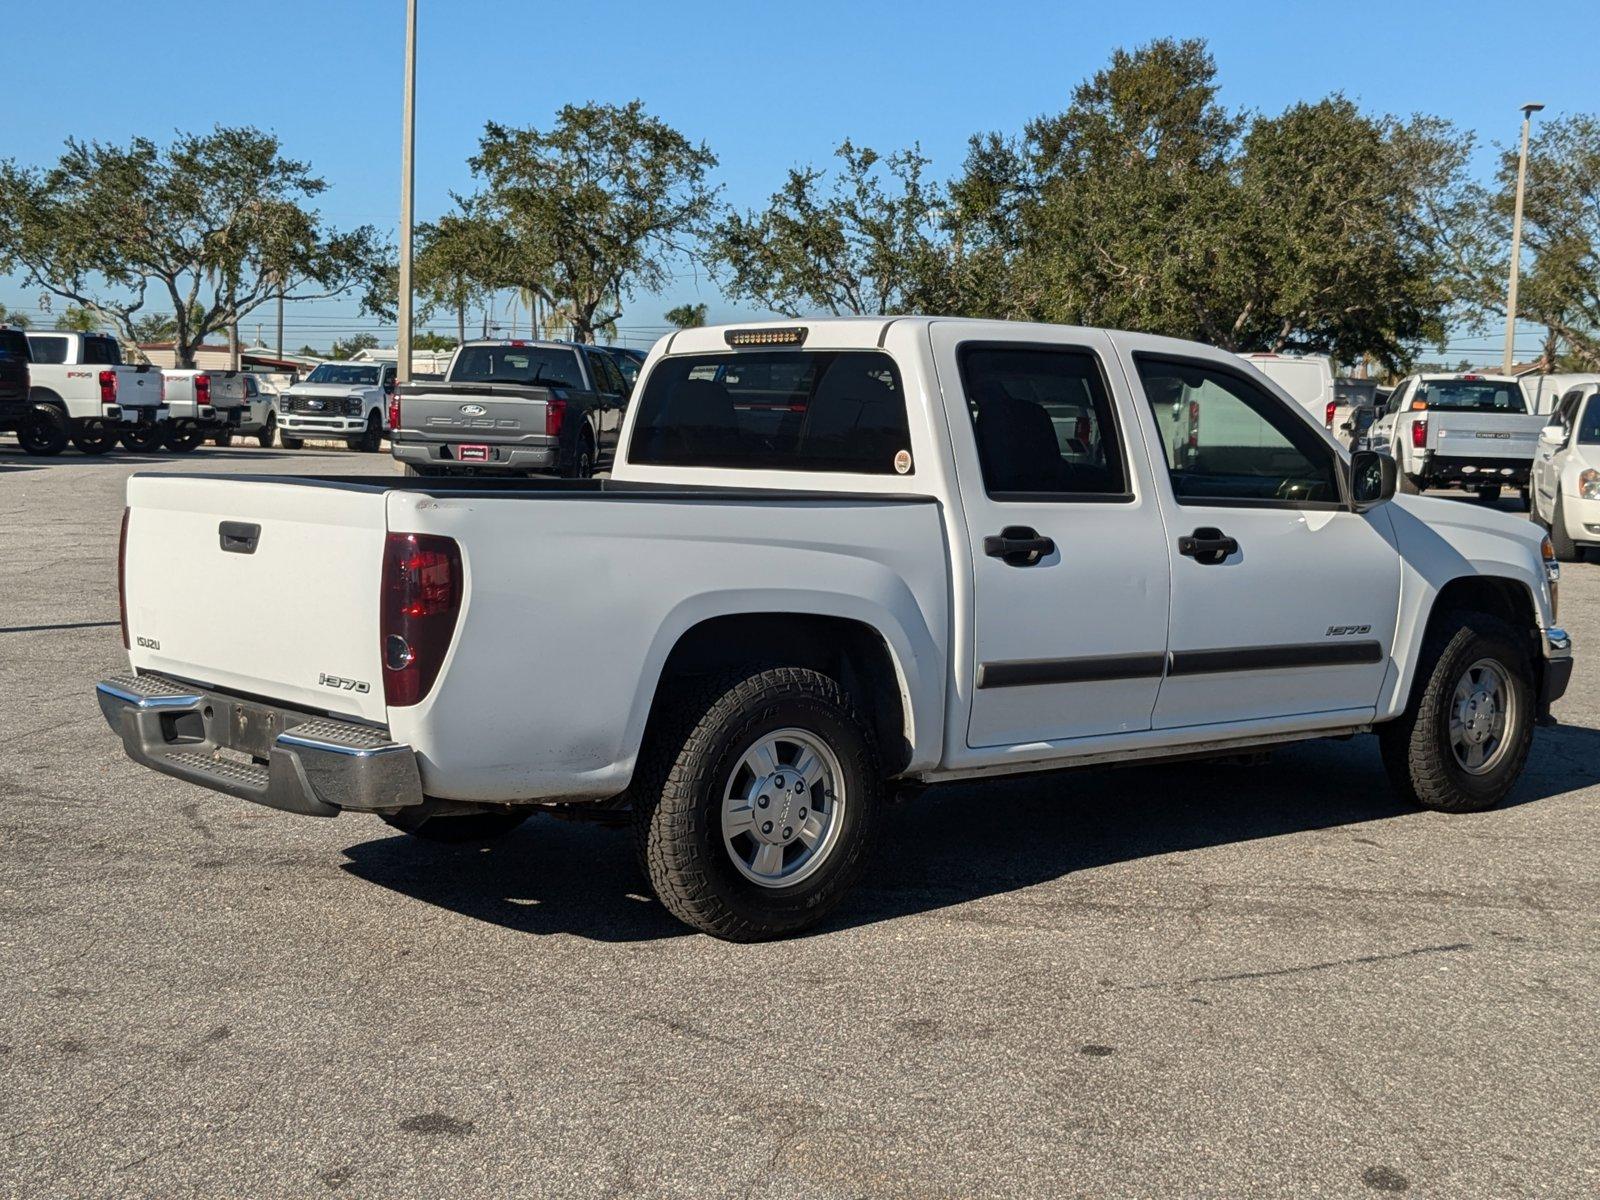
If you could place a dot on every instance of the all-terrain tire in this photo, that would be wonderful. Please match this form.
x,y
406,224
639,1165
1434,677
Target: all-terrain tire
x,y
1416,746
94,438
269,432
692,750
46,433
1409,485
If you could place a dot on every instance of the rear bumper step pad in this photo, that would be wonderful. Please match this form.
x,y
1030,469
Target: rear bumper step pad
x,y
314,765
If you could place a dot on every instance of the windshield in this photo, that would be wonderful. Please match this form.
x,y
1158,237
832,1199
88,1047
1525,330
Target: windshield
x,y
1471,395
352,373
546,366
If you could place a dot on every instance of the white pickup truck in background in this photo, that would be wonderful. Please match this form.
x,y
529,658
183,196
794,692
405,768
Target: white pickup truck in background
x,y
835,560
201,405
1460,430
344,400
82,385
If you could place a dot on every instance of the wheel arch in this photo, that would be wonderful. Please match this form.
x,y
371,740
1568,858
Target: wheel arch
x,y
850,649
1505,597
44,395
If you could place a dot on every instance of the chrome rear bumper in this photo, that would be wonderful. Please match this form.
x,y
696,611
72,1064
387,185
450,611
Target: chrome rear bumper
x,y
279,757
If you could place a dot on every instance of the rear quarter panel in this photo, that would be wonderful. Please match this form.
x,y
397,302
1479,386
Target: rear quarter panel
x,y
573,605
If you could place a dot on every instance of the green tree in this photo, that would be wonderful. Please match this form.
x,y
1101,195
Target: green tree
x,y
309,352
15,319
461,259
79,319
866,244
351,346
215,224
1560,288
433,341
686,316
597,206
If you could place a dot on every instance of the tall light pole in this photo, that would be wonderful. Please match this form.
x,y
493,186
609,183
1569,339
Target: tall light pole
x,y
408,179
1516,238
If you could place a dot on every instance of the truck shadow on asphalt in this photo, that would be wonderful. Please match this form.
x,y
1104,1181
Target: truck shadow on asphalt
x,y
13,459
958,843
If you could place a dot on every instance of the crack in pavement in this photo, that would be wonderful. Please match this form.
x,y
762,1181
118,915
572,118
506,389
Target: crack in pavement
x,y
1308,968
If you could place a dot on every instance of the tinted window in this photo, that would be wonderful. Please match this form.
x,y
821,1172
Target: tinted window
x,y
544,366
101,350
47,349
13,346
1473,395
610,377
1589,426
629,367
1042,421
355,374
777,410
1225,439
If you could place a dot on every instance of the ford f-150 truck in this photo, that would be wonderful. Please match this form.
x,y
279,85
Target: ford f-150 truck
x,y
836,561
346,400
1471,431
81,383
512,407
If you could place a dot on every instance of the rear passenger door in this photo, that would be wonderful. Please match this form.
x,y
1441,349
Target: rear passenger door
x,y
1283,600
1069,582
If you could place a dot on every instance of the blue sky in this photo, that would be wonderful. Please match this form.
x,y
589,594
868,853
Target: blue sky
x,y
767,86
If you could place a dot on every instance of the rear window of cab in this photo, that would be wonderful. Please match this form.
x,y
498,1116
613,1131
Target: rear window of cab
x,y
780,410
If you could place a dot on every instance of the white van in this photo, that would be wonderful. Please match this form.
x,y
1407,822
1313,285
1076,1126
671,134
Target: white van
x,y
1310,380
1544,392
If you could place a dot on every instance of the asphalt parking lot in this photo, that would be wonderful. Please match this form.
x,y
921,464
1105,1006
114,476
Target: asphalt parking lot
x,y
1199,980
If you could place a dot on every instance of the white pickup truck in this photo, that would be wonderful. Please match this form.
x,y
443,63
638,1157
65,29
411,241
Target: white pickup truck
x,y
1467,430
94,397
345,400
835,560
203,404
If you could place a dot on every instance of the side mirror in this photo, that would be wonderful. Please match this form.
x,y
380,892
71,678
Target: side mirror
x,y
1554,434
1373,479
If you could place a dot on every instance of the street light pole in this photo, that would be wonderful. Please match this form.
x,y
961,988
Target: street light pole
x,y
407,185
1516,238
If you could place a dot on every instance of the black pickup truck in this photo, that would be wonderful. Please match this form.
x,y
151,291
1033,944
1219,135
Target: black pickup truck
x,y
512,408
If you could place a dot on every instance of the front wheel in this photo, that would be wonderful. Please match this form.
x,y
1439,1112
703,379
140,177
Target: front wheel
x,y
1462,742
757,802
371,439
291,443
46,432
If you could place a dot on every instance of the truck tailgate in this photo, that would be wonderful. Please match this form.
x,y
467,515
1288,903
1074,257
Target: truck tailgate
x,y
270,589
475,412
1484,435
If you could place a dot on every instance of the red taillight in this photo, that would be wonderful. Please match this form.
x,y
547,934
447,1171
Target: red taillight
x,y
122,578
1327,417
1419,432
394,412
108,387
555,412
202,389
421,599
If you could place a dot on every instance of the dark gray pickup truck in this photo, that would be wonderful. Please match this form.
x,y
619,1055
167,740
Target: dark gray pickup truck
x,y
512,407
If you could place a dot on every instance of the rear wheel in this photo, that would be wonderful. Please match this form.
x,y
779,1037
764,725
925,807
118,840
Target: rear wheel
x,y
1462,742
582,464
46,432
457,830
269,432
757,802
1525,498
1409,485
94,437
1489,493
182,441
223,437
142,439
1566,549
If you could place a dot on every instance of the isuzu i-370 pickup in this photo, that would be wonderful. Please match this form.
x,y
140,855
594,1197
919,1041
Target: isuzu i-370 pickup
x,y
835,561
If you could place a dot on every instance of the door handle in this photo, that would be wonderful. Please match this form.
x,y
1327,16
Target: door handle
x,y
238,537
1018,546
1207,546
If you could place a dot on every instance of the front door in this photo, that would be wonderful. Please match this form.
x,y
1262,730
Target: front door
x,y
1283,600
1069,562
